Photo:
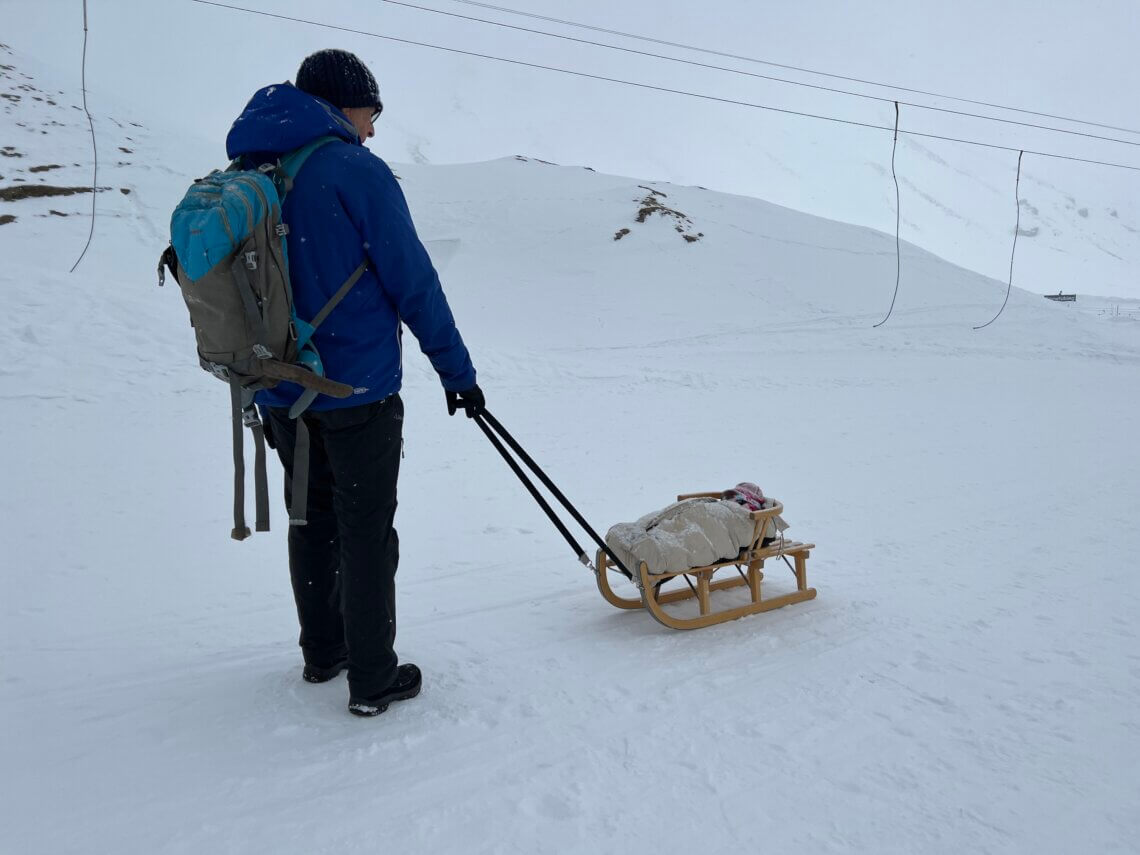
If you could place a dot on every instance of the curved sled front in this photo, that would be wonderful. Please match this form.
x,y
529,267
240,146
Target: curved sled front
x,y
701,585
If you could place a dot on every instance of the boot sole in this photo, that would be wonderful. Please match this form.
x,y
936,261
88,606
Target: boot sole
x,y
367,709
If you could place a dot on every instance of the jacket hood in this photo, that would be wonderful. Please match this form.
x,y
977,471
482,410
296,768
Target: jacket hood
x,y
281,118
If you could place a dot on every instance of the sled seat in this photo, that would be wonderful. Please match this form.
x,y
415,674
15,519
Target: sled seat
x,y
699,580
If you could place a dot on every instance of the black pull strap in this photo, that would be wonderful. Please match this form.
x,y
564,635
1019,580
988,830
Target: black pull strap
x,y
486,423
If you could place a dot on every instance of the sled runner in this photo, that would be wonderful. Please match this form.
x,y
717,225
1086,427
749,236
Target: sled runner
x,y
749,572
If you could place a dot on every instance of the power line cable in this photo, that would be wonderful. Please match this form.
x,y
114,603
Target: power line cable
x,y
1016,229
94,148
768,77
898,222
789,67
665,89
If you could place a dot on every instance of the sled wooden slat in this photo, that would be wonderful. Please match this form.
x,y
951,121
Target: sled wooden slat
x,y
749,565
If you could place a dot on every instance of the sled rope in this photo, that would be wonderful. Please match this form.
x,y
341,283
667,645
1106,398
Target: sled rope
x,y
490,427
780,552
1016,229
898,220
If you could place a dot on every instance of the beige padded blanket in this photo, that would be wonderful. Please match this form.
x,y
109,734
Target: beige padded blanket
x,y
689,533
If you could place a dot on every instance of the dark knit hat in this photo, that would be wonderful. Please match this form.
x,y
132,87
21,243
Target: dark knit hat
x,y
340,78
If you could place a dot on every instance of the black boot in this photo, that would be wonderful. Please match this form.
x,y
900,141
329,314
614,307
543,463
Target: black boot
x,y
406,685
317,674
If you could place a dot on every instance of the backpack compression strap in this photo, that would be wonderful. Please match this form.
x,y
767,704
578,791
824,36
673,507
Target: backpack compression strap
x,y
247,415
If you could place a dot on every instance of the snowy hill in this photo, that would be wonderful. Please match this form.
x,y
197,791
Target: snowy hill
x,y
965,681
1080,223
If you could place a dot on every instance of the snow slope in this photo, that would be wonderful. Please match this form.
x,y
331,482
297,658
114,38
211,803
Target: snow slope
x,y
967,679
1080,223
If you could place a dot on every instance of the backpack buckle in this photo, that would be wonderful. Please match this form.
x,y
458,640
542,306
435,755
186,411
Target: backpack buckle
x,y
281,229
249,417
262,352
251,259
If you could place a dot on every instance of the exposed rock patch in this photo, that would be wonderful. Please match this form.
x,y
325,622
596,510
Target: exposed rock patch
x,y
33,191
651,205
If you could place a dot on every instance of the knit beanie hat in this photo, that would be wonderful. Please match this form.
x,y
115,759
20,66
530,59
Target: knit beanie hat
x,y
340,78
748,494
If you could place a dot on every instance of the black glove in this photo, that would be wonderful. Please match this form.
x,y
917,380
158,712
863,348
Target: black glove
x,y
471,401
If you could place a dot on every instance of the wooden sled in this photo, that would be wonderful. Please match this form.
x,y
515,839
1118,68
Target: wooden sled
x,y
748,564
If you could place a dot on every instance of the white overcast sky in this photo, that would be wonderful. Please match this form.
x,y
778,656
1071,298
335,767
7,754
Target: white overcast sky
x,y
195,66
1071,58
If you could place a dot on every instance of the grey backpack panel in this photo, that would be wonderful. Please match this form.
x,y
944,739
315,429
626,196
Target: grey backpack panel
x,y
229,256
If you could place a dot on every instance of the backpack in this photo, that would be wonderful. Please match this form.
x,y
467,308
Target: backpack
x,y
229,255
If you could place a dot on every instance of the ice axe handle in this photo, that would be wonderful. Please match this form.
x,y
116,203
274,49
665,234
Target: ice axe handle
x,y
303,377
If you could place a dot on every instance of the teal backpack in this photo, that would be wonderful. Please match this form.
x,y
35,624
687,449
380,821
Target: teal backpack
x,y
230,256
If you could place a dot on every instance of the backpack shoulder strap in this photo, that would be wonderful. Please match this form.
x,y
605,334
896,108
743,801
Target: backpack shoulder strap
x,y
286,170
288,166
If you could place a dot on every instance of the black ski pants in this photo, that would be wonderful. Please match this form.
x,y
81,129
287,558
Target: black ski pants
x,y
343,561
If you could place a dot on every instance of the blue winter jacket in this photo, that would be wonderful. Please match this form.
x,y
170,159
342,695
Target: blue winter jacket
x,y
345,204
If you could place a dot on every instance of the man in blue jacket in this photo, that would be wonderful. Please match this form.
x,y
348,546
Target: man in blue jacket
x,y
346,208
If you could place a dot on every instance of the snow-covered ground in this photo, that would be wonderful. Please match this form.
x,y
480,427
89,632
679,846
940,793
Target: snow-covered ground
x,y
966,681
1115,309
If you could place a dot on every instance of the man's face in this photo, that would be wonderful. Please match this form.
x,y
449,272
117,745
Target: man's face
x,y
361,118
